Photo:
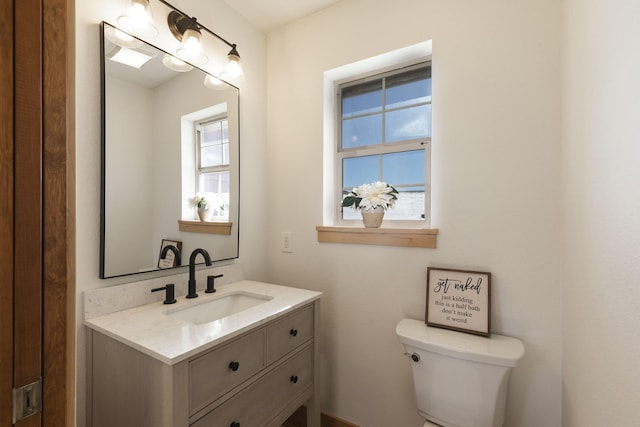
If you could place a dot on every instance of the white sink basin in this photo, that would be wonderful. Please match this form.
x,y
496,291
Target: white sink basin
x,y
218,308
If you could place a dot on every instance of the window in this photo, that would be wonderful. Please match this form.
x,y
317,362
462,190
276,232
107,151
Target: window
x,y
385,135
212,160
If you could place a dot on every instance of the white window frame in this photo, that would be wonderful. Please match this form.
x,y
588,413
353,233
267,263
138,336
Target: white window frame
x,y
378,149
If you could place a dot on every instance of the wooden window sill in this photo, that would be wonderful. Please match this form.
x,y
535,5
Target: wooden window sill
x,y
405,237
205,227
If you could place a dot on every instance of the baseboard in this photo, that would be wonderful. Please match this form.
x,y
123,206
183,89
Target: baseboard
x,y
327,420
299,419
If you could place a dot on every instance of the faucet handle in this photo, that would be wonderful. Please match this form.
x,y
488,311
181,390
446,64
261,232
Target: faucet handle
x,y
170,295
210,283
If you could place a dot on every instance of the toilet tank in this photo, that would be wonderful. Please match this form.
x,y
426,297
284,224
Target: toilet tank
x,y
460,380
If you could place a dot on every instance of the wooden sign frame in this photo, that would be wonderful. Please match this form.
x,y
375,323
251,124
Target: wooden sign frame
x,y
459,300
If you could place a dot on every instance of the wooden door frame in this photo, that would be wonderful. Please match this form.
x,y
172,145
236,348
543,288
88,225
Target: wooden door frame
x,y
58,369
47,173
6,208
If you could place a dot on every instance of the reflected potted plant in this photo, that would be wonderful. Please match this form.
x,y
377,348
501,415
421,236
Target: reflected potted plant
x,y
199,201
372,200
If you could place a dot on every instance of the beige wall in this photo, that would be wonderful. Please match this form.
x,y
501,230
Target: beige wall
x,y
601,375
499,161
496,193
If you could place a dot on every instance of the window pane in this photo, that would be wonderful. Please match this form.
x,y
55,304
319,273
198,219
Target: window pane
x,y
214,144
212,134
362,99
409,206
215,185
362,131
403,168
212,156
409,123
359,170
409,88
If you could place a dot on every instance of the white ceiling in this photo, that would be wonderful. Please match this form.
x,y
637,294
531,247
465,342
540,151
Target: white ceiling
x,y
270,14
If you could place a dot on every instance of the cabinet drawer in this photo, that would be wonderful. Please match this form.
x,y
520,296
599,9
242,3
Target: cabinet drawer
x,y
215,373
264,399
289,332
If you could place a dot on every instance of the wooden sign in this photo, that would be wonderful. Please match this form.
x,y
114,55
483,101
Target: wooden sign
x,y
459,300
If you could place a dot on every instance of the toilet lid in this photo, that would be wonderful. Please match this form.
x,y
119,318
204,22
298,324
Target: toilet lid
x,y
496,350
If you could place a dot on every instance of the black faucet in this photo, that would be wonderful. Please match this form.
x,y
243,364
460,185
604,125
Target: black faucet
x,y
192,270
169,296
173,249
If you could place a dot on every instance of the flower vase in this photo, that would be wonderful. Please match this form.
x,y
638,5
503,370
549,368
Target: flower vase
x,y
203,214
372,217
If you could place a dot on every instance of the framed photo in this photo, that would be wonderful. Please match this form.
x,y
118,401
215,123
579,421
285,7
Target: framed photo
x,y
459,300
170,259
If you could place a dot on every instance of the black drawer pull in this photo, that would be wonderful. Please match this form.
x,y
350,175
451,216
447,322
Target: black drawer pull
x,y
293,332
234,367
294,379
235,424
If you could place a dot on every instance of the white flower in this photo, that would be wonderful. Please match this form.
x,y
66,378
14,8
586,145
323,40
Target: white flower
x,y
371,195
198,201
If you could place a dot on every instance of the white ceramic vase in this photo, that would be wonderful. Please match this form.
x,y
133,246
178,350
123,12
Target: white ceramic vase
x,y
372,217
203,214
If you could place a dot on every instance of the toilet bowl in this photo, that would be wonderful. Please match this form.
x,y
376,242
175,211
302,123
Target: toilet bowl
x,y
460,380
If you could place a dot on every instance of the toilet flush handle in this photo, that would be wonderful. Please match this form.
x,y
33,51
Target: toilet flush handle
x,y
414,356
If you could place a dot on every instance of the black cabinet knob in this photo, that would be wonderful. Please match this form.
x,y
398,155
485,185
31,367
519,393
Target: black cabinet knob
x,y
235,424
294,379
234,366
293,332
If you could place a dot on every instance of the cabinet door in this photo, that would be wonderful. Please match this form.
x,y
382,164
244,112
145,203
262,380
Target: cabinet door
x,y
215,373
263,400
288,333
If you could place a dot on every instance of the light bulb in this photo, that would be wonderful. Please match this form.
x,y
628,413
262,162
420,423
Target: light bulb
x,y
191,47
234,69
138,19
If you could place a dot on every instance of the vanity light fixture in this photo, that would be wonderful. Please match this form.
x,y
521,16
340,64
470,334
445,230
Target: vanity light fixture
x,y
175,64
189,32
138,19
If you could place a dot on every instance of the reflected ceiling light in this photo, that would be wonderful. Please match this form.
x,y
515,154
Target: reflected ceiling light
x,y
187,31
214,83
138,19
120,38
175,64
129,57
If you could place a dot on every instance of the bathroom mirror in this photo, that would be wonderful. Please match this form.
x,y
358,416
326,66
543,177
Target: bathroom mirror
x,y
151,117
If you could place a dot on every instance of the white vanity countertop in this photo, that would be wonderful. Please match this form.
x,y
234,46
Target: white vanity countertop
x,y
150,330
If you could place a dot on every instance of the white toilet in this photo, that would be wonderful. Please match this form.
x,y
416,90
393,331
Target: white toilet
x,y
460,380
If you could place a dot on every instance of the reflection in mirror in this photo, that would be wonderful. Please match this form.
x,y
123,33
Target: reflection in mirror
x,y
167,137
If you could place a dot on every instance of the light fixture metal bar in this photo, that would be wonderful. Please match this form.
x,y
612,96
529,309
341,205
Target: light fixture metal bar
x,y
200,26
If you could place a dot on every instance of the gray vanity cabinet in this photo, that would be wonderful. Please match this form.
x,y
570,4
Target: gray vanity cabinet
x,y
257,379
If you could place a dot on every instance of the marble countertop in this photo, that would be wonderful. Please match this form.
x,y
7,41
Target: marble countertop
x,y
149,329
